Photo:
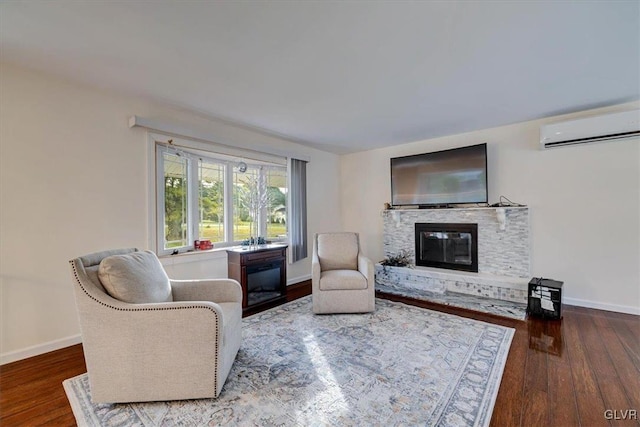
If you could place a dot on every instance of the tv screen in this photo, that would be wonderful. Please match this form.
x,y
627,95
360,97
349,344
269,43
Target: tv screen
x,y
440,178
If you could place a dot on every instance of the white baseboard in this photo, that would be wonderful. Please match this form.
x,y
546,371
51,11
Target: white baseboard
x,y
602,306
299,279
36,350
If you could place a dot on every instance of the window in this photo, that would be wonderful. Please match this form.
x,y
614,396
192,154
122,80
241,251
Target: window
x,y
276,225
211,201
175,222
202,195
246,203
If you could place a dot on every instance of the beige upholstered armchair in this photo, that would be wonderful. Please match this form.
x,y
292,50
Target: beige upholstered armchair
x,y
342,278
149,338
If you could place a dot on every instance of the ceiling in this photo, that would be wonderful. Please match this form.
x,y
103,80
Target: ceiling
x,y
341,76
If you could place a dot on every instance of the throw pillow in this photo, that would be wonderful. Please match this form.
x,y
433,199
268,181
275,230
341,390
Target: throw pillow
x,y
135,278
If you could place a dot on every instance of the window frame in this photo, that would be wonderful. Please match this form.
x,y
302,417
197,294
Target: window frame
x,y
160,144
160,199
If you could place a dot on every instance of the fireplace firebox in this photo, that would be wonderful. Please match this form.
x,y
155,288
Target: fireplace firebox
x,y
447,245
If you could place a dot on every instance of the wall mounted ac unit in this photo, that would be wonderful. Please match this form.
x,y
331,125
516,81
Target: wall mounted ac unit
x,y
591,129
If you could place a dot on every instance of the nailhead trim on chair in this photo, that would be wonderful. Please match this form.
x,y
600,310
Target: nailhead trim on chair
x,y
218,323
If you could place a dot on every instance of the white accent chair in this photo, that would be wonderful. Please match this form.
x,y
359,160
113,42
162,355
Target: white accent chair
x,y
342,278
180,344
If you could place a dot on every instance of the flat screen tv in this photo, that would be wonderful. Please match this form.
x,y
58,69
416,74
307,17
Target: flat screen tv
x,y
447,177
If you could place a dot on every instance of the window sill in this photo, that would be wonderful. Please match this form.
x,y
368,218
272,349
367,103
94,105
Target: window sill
x,y
197,256
193,256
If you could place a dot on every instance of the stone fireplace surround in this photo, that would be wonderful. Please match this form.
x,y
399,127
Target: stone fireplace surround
x,y
503,252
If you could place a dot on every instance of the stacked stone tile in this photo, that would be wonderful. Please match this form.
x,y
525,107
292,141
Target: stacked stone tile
x,y
503,255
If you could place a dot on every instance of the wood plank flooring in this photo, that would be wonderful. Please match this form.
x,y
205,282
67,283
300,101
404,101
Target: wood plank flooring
x,y
581,371
31,392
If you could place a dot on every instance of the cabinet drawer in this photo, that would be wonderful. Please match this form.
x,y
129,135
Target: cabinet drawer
x,y
265,256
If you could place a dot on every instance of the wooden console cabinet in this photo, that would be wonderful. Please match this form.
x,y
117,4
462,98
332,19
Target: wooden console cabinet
x,y
262,272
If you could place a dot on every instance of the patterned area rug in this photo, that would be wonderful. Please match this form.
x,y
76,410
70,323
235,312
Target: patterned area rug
x,y
400,365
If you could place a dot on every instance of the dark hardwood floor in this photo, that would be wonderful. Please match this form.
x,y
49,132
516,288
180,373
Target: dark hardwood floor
x,y
31,392
579,371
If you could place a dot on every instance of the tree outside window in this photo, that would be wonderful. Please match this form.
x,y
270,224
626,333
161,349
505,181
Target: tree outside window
x,y
175,201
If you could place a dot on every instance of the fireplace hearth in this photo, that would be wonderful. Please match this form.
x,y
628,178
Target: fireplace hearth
x,y
452,246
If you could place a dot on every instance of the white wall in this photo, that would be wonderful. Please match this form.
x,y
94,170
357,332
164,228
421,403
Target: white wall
x,y
584,205
74,179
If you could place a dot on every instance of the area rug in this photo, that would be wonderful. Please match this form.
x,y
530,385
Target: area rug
x,y
401,365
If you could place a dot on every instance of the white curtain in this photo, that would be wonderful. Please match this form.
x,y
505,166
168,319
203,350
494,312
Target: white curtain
x,y
298,209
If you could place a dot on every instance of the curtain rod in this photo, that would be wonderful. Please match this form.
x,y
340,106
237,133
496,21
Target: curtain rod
x,y
265,159
188,132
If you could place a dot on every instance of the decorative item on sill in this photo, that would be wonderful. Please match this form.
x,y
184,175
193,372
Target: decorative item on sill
x,y
202,245
254,241
401,259
254,196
